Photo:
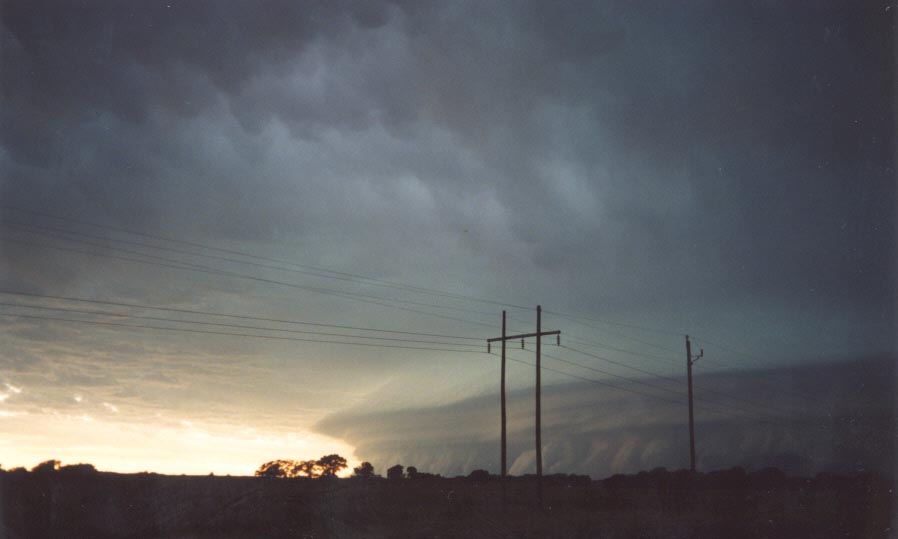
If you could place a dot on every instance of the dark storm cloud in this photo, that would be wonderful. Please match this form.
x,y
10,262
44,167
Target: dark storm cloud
x,y
600,431
645,156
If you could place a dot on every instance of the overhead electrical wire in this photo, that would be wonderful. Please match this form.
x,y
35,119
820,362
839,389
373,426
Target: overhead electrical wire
x,y
679,381
234,334
758,371
194,267
596,344
259,257
233,326
705,400
610,323
323,272
228,315
212,271
235,274
624,336
753,415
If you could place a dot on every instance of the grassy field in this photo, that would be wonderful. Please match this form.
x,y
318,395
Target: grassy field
x,y
103,505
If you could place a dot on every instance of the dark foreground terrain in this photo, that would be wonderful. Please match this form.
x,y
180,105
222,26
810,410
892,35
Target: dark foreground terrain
x,y
73,504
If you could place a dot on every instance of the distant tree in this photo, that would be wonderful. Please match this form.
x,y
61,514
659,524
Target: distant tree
x,y
46,466
479,475
411,472
364,470
78,469
308,468
395,472
330,465
277,468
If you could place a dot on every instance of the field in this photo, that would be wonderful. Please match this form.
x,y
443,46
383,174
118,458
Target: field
x,y
149,506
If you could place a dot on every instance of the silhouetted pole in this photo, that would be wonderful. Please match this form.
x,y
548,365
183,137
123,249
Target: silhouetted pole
x,y
539,334
504,461
689,361
539,438
691,424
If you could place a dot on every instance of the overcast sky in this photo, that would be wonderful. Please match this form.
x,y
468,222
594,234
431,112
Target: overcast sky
x,y
723,169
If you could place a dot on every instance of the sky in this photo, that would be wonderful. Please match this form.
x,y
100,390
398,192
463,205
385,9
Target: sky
x,y
240,182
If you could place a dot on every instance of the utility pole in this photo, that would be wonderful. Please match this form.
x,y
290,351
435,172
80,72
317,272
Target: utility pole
x,y
504,461
690,360
539,430
539,451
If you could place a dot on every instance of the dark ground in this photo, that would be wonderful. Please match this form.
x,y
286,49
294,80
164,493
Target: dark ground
x,y
657,504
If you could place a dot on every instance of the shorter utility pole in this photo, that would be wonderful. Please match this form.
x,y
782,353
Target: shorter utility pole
x,y
539,451
690,360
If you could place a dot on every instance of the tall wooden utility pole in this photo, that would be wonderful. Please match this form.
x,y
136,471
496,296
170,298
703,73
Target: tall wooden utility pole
x,y
690,360
504,453
539,451
539,430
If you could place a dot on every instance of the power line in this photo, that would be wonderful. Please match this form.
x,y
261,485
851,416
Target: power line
x,y
677,381
206,332
364,298
795,393
624,336
212,271
624,365
345,276
244,317
620,324
606,373
759,371
594,381
232,273
235,326
419,289
633,380
368,280
641,393
596,344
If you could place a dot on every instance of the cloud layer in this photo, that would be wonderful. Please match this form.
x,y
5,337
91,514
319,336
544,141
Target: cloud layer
x,y
836,417
717,170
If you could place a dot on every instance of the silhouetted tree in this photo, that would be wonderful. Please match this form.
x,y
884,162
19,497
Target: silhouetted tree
x,y
277,468
46,466
364,470
308,468
479,475
80,469
330,465
395,472
411,472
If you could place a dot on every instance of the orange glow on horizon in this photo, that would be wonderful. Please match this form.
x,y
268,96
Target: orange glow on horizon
x,y
156,446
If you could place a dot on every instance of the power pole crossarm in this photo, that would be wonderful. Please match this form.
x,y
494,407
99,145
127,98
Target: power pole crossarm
x,y
523,336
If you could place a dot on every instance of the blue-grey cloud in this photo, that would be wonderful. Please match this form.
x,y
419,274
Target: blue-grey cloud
x,y
832,417
722,170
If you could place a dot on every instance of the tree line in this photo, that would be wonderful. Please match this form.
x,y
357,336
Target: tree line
x,y
326,466
331,465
